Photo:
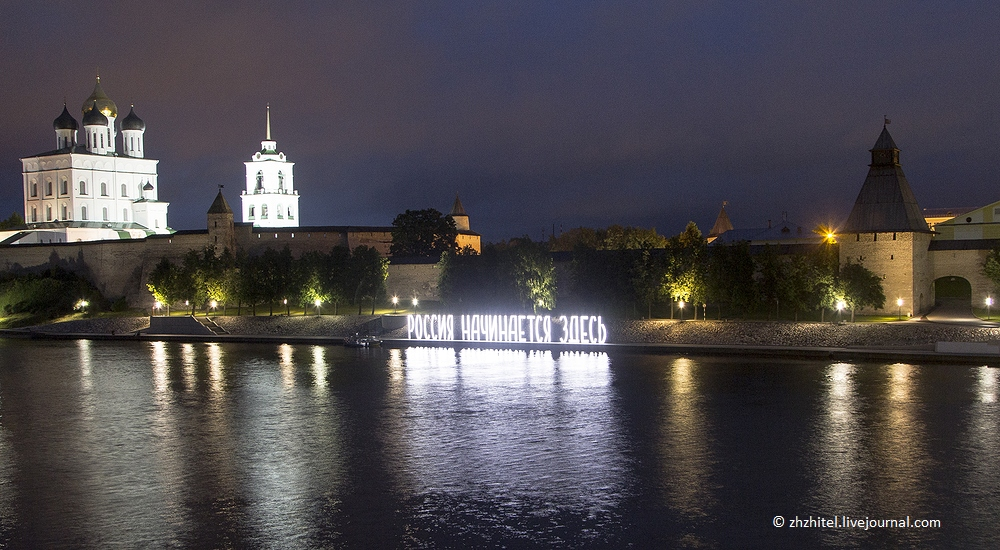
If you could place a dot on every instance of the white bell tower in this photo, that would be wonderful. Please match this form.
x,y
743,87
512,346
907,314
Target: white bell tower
x,y
270,198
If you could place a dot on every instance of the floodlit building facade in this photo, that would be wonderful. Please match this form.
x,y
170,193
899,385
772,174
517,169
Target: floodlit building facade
x,y
270,198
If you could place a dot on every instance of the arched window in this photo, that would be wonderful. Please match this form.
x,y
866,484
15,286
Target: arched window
x,y
124,214
83,213
83,187
263,211
124,190
281,181
48,188
34,189
34,214
64,187
278,209
260,180
104,212
104,189
251,213
48,213
289,212
64,212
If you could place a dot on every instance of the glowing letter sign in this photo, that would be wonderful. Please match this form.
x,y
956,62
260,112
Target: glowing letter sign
x,y
528,329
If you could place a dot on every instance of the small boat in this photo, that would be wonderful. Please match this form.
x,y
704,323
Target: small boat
x,y
358,341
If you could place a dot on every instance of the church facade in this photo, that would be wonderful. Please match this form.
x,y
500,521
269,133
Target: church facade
x,y
86,188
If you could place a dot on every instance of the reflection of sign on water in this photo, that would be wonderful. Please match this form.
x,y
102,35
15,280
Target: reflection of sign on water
x,y
532,329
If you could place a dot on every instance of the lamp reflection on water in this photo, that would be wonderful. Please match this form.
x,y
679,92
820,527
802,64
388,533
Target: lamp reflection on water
x,y
85,355
685,443
838,444
319,369
215,368
900,442
189,363
287,365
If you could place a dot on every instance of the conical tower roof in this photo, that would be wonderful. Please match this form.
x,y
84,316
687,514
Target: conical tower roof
x,y
219,205
457,209
886,203
65,121
722,223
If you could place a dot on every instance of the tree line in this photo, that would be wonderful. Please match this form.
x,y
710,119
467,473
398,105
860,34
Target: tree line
x,y
272,278
632,272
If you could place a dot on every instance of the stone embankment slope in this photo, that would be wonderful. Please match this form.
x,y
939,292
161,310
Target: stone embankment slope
x,y
912,335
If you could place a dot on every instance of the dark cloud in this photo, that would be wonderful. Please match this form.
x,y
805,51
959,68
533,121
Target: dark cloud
x,y
538,113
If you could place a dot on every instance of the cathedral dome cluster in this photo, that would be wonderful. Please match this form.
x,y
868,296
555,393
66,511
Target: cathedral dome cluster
x,y
91,182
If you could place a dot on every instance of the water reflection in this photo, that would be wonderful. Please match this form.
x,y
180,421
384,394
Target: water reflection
x,y
685,444
513,425
900,445
319,369
839,444
287,363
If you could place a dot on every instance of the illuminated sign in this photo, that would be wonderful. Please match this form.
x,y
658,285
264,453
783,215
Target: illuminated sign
x,y
529,329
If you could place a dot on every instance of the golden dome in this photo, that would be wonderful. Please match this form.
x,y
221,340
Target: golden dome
x,y
104,103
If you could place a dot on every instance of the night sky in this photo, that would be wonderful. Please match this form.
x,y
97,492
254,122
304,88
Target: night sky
x,y
537,113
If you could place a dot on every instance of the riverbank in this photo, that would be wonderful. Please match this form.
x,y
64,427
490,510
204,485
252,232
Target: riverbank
x,y
909,340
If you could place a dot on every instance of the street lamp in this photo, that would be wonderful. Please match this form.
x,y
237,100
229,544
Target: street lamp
x,y
213,304
395,304
157,305
318,302
415,302
989,302
899,309
288,309
840,308
681,306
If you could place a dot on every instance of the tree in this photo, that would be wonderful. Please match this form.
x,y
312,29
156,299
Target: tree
x,y
991,268
13,222
368,272
861,288
162,282
532,274
423,233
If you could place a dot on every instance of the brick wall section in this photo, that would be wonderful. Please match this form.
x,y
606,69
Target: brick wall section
x,y
903,262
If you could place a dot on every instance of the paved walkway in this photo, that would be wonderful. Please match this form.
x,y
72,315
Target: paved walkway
x,y
958,312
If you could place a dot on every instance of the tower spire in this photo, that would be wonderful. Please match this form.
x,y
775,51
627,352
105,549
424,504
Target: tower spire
x,y
268,122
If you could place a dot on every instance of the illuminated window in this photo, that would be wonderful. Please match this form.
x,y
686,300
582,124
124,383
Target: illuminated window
x,y
64,212
260,181
48,213
251,213
48,188
281,181
83,187
104,189
263,211
34,189
104,212
34,214
124,214
64,187
83,213
124,190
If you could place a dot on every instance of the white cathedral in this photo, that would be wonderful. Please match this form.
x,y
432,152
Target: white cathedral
x,y
270,198
86,190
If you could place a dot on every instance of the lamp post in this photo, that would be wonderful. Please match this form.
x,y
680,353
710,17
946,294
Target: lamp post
x,y
213,304
395,304
288,309
840,308
318,302
157,305
415,302
899,309
680,305
989,302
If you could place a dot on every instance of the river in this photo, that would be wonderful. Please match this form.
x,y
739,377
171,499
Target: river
x,y
153,444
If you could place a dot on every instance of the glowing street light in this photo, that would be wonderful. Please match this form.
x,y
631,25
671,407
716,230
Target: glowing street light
x,y
681,306
288,309
989,302
899,309
157,305
318,302
840,308
395,304
213,304
415,302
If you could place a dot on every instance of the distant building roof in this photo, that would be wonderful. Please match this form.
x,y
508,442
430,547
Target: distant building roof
x,y
458,209
886,202
722,223
785,231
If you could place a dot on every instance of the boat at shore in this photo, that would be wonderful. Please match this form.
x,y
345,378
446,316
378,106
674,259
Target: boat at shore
x,y
358,341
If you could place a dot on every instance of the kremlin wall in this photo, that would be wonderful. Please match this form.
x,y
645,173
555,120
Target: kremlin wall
x,y
92,210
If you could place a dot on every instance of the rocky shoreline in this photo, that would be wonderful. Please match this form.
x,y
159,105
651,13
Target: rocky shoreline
x,y
912,335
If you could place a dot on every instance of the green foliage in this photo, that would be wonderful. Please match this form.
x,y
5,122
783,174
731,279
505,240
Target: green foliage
x,y
47,295
13,222
423,233
615,237
991,268
518,275
861,288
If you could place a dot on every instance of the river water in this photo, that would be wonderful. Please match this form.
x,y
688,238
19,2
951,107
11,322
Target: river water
x,y
152,444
